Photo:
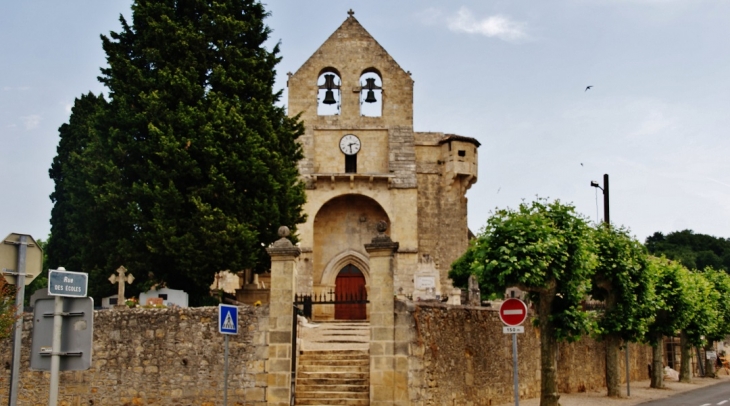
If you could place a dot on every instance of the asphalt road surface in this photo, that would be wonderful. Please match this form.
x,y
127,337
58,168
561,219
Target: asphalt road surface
x,y
715,395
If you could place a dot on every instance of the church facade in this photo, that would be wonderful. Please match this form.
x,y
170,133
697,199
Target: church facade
x,y
364,164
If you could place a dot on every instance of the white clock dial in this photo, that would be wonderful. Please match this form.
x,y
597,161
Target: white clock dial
x,y
350,144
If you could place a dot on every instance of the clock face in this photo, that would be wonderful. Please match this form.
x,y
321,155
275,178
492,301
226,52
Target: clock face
x,y
350,144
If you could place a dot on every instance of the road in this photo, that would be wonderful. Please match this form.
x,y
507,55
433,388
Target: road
x,y
715,395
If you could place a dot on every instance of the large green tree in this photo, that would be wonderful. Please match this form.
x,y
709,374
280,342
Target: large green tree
x,y
624,280
543,248
693,250
720,281
674,311
190,166
701,300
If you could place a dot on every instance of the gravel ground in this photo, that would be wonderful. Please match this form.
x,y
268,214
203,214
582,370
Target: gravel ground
x,y
640,392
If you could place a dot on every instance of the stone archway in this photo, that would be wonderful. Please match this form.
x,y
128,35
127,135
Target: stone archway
x,y
342,227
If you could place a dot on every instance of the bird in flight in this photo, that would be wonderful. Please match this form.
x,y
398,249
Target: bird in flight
x,y
587,87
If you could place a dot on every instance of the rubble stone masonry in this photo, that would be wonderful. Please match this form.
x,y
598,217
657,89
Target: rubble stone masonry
x,y
154,357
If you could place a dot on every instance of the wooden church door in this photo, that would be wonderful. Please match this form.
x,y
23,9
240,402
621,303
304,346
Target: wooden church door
x,y
350,287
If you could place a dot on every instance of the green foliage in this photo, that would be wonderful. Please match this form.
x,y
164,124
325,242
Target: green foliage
x,y
702,299
694,251
624,279
190,167
7,309
41,280
543,248
719,298
675,299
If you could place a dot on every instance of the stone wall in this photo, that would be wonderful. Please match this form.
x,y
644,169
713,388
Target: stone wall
x,y
155,357
459,355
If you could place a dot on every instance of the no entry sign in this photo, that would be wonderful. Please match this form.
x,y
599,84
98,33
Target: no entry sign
x,y
513,312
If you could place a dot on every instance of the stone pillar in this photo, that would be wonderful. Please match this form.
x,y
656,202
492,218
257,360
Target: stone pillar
x,y
281,315
383,380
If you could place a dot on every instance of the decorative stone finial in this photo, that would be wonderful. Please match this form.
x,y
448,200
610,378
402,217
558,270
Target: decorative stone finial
x,y
381,226
283,246
351,13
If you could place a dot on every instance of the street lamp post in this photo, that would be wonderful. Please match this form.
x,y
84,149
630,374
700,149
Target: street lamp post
x,y
607,220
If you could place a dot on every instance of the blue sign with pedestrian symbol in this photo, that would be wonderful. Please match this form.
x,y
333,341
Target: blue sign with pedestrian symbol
x,y
227,319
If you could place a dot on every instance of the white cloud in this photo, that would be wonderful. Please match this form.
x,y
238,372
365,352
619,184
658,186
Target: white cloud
x,y
31,122
492,26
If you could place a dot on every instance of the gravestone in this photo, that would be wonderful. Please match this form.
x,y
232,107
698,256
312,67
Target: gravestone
x,y
426,280
475,295
170,297
109,302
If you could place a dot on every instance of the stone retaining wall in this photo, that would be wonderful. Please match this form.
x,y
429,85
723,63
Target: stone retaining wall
x,y
458,355
154,357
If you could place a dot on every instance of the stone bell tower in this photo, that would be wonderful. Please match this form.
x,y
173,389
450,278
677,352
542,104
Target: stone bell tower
x,y
363,163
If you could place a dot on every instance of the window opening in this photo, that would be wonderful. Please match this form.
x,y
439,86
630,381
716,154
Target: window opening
x,y
351,163
328,95
462,152
371,95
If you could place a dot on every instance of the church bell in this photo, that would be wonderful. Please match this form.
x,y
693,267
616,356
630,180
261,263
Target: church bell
x,y
370,85
329,97
329,84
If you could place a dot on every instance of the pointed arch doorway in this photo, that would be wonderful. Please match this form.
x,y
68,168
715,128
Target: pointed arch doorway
x,y
350,289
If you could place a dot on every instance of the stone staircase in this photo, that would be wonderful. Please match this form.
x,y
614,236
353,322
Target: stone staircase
x,y
333,366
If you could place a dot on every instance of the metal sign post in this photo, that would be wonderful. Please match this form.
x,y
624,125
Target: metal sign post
x,y
18,327
61,283
21,259
227,325
513,312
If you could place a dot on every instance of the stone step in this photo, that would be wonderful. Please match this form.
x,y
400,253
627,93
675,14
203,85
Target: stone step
x,y
333,368
331,394
337,387
329,398
334,361
308,381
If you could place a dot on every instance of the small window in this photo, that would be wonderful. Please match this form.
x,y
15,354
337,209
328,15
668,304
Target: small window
x,y
462,152
371,94
113,301
329,96
351,163
162,296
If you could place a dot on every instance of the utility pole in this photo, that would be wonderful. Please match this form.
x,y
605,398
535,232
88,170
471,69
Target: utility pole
x,y
607,220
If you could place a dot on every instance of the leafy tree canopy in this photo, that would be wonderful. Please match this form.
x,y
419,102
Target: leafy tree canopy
x,y
624,279
695,251
543,248
189,167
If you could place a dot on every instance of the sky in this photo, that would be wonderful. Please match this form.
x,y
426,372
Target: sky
x,y
512,74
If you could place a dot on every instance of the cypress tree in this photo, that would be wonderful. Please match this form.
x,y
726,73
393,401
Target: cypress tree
x,y
194,166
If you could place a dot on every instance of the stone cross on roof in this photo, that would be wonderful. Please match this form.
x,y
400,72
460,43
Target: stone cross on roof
x,y
351,13
121,281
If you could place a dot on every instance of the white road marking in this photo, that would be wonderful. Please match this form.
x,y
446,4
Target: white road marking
x,y
722,403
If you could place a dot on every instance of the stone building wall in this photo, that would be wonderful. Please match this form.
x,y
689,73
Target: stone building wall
x,y
459,355
155,357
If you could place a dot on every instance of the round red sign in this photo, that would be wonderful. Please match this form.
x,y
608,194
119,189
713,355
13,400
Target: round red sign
x,y
513,312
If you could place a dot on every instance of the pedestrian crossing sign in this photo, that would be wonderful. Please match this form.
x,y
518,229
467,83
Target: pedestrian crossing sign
x,y
227,319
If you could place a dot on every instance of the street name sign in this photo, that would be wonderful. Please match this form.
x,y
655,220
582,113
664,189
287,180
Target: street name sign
x,y
513,312
227,319
68,284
